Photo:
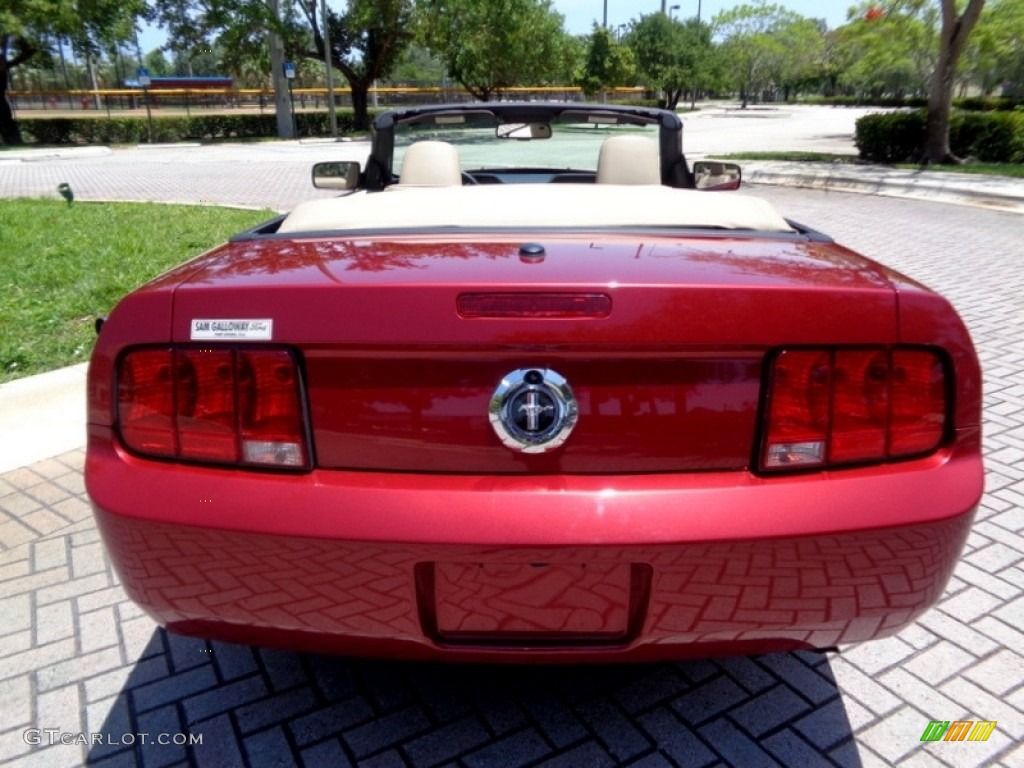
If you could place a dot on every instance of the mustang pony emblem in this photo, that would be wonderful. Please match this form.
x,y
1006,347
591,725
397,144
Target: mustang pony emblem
x,y
533,410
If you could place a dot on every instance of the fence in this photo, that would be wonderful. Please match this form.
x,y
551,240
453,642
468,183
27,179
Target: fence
x,y
122,101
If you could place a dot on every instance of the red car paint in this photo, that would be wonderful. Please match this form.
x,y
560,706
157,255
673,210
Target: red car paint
x,y
649,534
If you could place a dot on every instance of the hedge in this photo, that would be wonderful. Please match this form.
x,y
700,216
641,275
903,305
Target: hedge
x,y
135,130
970,103
897,137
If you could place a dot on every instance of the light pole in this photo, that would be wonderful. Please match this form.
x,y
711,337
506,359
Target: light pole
x,y
693,93
672,8
329,70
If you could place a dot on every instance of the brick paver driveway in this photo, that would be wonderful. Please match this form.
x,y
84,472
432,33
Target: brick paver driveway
x,y
77,658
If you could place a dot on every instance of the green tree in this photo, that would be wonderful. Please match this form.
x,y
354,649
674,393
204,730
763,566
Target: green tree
x,y
157,63
878,60
671,56
801,56
366,42
417,66
891,51
489,45
187,33
28,27
995,57
754,44
607,64
836,60
946,26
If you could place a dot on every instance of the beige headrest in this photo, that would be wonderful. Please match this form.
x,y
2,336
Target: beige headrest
x,y
629,159
431,164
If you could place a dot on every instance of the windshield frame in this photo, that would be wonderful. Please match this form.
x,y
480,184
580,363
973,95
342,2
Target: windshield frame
x,y
380,171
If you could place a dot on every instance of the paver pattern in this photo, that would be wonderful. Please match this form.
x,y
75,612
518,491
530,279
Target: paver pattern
x,y
77,658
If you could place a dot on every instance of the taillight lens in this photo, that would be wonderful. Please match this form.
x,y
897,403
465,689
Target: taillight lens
x,y
829,407
223,405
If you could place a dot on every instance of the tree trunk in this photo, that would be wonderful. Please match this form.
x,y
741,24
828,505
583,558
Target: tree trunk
x,y
361,115
955,31
9,133
282,96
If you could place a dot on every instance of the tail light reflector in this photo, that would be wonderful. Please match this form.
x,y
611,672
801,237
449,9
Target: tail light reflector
x,y
829,407
221,405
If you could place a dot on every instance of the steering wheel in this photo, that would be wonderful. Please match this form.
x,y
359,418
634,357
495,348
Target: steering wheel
x,y
468,178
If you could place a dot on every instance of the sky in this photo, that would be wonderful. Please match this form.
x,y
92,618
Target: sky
x,y
581,14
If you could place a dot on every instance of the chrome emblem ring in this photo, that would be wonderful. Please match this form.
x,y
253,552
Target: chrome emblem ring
x,y
533,410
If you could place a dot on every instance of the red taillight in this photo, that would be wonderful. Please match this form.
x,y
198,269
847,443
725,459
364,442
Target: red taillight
x,y
145,396
223,405
829,407
918,391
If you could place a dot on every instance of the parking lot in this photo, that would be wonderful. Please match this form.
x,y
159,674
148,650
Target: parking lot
x,y
78,662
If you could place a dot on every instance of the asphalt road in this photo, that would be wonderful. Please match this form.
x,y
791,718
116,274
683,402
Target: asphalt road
x,y
76,656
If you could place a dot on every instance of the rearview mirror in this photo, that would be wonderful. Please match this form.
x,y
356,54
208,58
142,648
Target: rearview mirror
x,y
337,175
523,131
711,176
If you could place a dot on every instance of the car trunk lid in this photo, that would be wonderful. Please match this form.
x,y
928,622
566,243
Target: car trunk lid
x,y
660,337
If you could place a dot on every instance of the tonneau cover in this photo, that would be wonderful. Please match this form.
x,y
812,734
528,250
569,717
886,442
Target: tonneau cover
x,y
525,206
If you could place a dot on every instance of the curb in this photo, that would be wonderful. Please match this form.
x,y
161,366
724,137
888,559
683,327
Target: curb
x,y
42,415
933,186
53,153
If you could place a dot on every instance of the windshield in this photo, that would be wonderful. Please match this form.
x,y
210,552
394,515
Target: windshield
x,y
571,147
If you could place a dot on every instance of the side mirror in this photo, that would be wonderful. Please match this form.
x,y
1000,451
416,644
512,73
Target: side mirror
x,y
342,175
711,176
523,131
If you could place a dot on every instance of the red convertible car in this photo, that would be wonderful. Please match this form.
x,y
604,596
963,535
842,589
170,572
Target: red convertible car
x,y
526,389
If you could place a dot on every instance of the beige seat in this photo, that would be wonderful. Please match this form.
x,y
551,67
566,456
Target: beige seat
x,y
629,159
430,164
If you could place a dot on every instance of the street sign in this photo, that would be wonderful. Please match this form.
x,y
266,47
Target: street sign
x,y
144,79
289,70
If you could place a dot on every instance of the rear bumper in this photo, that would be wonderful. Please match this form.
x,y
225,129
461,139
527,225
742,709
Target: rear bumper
x,y
533,568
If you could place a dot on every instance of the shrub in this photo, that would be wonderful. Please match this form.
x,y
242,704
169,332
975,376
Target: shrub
x,y
135,129
893,137
641,102
897,137
985,104
892,102
992,137
48,131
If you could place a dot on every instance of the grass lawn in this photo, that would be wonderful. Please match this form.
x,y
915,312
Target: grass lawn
x,y
61,267
983,169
